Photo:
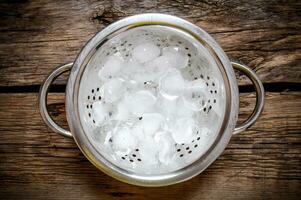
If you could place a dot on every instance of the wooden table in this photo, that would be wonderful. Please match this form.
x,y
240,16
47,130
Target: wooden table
x,y
36,36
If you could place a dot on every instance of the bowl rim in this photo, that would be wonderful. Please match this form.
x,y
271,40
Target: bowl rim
x,y
189,171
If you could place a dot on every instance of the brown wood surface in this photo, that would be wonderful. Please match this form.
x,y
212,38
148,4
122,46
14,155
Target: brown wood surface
x,y
261,163
35,36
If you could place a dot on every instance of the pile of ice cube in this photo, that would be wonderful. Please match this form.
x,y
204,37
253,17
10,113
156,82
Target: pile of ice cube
x,y
154,106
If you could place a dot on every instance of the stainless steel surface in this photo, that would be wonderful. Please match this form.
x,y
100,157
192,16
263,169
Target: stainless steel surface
x,y
43,100
200,65
96,157
259,97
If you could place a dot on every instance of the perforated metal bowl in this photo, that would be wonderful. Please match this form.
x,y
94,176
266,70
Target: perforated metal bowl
x,y
207,62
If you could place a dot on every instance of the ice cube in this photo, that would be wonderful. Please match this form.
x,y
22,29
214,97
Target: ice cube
x,y
131,67
148,151
198,85
175,57
172,84
183,130
111,68
196,95
145,52
123,112
164,62
150,123
123,140
113,90
99,112
167,148
167,106
140,102
174,108
183,108
137,131
147,76
137,76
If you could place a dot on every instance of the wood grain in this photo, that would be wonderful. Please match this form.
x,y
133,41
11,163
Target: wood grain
x,y
37,36
262,163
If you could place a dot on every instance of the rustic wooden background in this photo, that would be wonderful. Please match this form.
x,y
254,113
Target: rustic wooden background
x,y
36,36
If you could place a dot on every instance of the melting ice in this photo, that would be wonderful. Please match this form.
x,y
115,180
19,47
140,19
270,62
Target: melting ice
x,y
154,107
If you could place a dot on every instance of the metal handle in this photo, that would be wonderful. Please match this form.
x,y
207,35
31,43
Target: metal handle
x,y
43,100
259,97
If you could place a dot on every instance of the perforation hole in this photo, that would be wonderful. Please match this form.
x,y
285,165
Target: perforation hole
x,y
132,157
197,70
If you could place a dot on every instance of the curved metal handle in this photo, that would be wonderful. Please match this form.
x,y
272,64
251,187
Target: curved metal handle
x,y
259,97
43,100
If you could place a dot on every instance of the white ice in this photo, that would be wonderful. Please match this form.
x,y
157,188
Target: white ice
x,y
150,123
211,119
196,95
167,106
174,57
149,151
183,130
99,112
183,108
167,148
172,84
131,67
113,90
146,76
174,108
123,112
164,62
153,116
137,74
123,140
198,85
111,68
137,131
146,52
140,102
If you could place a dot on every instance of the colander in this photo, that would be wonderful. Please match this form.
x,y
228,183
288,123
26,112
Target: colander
x,y
152,100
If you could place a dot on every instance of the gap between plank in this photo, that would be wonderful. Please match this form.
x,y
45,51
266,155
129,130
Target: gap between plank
x,y
269,87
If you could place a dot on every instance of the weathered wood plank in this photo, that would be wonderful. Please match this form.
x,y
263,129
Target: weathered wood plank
x,y
262,163
36,36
